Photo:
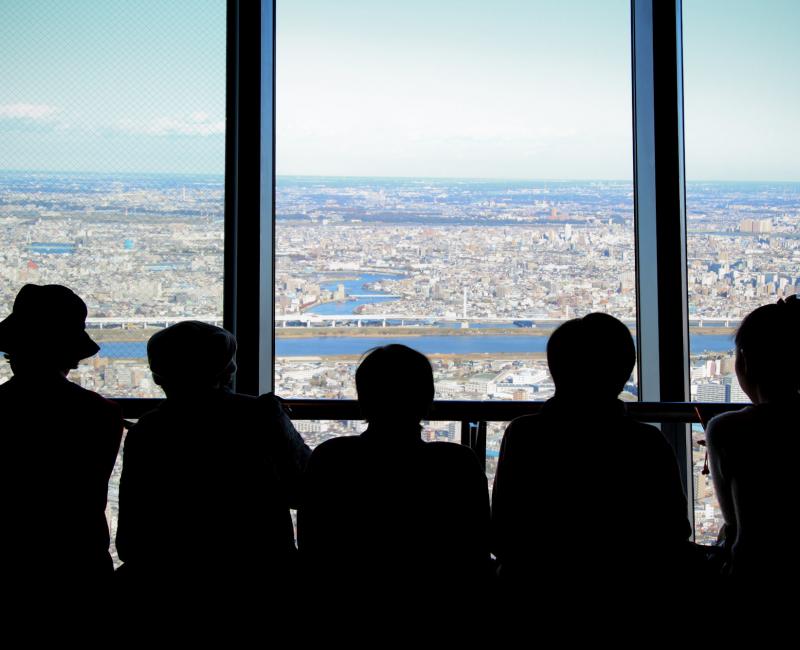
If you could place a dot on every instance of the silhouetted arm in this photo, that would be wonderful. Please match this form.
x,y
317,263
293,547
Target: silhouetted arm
x,y
716,435
316,507
673,509
501,496
289,451
111,438
478,519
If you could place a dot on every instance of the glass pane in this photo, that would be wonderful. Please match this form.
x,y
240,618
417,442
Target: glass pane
x,y
707,515
494,437
112,134
743,173
452,176
112,505
315,432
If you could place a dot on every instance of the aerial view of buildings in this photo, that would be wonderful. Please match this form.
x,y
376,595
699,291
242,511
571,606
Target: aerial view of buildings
x,y
474,273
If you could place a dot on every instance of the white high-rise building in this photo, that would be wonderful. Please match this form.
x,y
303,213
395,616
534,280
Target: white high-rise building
x,y
712,393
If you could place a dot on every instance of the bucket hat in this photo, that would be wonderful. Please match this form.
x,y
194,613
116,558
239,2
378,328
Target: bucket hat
x,y
47,320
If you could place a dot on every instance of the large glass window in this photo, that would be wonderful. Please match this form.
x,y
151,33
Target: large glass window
x,y
743,186
112,158
454,176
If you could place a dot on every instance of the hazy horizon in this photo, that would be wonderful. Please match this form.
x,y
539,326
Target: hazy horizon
x,y
515,90
221,175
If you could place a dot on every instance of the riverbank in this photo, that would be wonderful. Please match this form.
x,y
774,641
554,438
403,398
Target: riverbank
x,y
120,335
397,331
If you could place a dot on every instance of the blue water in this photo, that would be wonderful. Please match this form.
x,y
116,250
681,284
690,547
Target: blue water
x,y
353,286
711,343
324,346
455,344
357,285
348,307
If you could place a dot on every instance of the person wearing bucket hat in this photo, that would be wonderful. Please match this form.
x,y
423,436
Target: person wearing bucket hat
x,y
47,327
58,449
206,475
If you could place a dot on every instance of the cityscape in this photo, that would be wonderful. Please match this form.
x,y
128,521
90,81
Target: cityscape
x,y
474,273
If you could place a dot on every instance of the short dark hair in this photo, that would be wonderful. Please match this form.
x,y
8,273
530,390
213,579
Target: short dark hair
x,y
394,382
592,356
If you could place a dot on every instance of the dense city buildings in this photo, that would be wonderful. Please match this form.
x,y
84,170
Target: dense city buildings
x,y
473,273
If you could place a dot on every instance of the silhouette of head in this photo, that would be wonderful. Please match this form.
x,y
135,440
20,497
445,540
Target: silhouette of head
x,y
191,356
767,356
47,327
591,357
395,385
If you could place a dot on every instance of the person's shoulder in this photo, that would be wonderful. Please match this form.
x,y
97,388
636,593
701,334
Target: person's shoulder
x,y
732,418
332,455
139,430
89,397
648,431
526,425
449,450
238,405
525,422
640,434
159,419
226,401
451,461
270,404
342,446
11,397
524,429
206,408
6,388
151,417
237,398
721,427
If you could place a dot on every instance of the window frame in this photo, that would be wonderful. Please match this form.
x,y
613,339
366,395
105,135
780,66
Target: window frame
x,y
250,192
659,212
658,185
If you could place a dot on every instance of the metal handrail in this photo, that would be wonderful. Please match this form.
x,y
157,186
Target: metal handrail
x,y
466,411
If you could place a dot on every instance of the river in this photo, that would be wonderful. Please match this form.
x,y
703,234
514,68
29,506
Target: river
x,y
324,346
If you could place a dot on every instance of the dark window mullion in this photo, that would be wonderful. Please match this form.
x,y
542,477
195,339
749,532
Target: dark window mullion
x,y
249,204
660,211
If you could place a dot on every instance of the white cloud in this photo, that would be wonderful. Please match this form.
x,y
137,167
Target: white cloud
x,y
197,123
37,112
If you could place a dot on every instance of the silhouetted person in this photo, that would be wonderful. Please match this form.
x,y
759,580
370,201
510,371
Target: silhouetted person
x,y
753,453
393,526
57,451
207,482
588,510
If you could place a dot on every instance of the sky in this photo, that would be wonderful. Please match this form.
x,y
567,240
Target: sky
x,y
112,85
464,88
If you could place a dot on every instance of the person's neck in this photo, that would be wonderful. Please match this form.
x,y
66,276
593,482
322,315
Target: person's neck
x,y
395,430
39,373
192,393
762,396
585,406
565,397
